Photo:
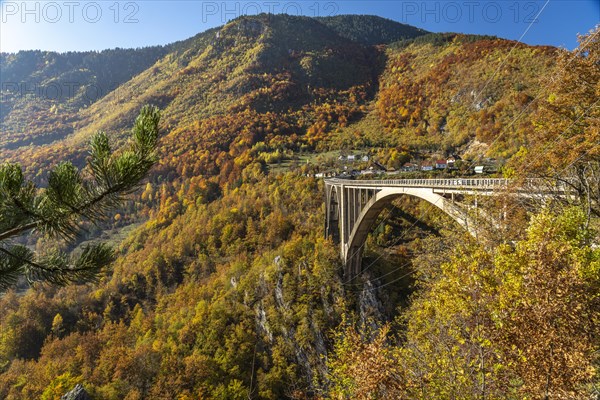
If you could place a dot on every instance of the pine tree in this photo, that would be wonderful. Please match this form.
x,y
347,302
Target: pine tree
x,y
71,197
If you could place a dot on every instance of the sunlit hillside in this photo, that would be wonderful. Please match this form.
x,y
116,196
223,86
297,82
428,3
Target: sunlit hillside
x,y
224,286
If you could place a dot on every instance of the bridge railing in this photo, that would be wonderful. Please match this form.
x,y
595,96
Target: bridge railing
x,y
466,183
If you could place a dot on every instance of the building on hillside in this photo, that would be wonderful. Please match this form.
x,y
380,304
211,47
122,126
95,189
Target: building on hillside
x,y
440,164
488,166
348,158
326,174
427,166
409,167
354,158
451,161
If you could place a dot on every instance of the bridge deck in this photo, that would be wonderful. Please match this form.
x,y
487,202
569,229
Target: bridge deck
x,y
352,206
454,183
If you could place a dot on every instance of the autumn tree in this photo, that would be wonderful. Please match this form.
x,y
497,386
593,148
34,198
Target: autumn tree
x,y
567,142
448,349
365,365
516,322
72,195
550,309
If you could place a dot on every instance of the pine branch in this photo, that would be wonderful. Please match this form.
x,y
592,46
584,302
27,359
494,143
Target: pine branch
x,y
69,198
11,268
60,269
22,260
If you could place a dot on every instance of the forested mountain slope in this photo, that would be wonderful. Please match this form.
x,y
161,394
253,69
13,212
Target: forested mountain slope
x,y
228,288
43,92
437,93
370,30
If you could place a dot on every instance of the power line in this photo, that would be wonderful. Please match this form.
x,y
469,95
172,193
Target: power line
x,y
511,50
546,150
581,48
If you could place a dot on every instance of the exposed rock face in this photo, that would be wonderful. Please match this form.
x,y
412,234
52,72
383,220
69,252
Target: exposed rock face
x,y
78,393
370,305
310,359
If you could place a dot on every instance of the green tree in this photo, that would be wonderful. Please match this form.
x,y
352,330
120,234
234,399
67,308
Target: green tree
x,y
71,196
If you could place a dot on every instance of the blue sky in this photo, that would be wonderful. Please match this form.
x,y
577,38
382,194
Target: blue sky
x,y
95,25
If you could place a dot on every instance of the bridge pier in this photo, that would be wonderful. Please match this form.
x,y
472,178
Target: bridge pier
x,y
353,263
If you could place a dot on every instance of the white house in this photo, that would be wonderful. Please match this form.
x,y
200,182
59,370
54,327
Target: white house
x,y
440,164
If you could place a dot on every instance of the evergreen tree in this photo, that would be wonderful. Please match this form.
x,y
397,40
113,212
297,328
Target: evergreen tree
x,y
72,196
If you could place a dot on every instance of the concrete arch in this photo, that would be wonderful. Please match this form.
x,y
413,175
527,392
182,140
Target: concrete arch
x,y
352,248
352,206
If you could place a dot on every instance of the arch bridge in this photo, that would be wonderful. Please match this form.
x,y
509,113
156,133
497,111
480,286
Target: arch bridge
x,y
352,206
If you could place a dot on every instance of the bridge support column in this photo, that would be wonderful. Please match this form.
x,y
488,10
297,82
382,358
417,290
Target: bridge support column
x,y
343,218
353,264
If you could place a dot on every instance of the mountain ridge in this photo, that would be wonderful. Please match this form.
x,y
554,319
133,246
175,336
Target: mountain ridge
x,y
317,65
82,88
